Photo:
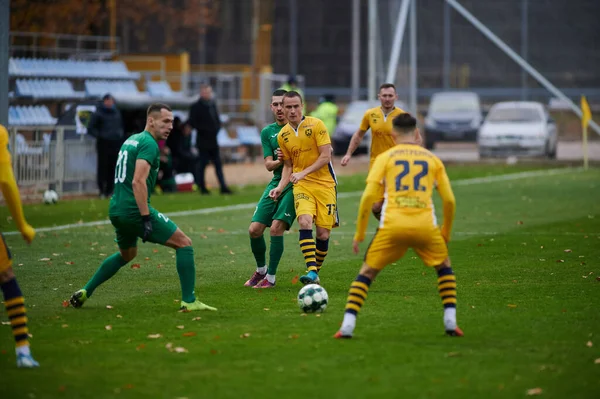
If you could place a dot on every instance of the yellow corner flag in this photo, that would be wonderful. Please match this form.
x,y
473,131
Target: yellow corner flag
x,y
587,114
585,120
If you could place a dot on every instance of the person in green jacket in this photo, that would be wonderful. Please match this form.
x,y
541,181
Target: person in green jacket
x,y
292,85
327,111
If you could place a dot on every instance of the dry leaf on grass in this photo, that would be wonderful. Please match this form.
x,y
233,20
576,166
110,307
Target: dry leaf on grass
x,y
294,336
295,279
203,236
180,327
108,328
534,391
266,309
65,325
69,263
45,259
568,250
221,231
119,316
597,361
140,347
155,251
135,266
231,252
560,261
190,334
180,349
589,344
245,335
213,351
510,305
108,307
154,336
65,304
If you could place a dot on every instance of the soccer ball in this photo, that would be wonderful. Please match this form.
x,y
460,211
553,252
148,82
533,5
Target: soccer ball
x,y
312,298
50,197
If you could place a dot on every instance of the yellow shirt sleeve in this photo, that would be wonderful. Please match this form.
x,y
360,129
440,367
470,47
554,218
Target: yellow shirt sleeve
x,y
448,200
373,192
284,150
8,185
322,134
365,124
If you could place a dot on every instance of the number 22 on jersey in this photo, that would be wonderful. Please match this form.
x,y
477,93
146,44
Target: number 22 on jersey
x,y
121,169
416,181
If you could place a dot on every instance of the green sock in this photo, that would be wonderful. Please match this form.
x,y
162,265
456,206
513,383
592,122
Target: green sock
x,y
107,269
187,273
259,249
275,253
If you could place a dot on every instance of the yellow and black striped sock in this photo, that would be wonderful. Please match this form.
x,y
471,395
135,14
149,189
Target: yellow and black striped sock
x,y
321,252
357,294
447,287
15,306
307,246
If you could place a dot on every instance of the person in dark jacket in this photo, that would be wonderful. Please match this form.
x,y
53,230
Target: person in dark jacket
x,y
106,125
204,117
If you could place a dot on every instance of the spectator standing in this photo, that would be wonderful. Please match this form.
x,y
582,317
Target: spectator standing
x,y
106,125
204,117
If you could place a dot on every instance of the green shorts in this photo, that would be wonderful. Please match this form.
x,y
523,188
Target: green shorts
x,y
268,210
129,227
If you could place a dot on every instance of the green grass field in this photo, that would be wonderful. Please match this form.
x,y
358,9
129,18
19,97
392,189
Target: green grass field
x,y
525,250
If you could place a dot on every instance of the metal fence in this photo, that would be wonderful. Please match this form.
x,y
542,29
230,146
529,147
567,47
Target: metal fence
x,y
43,159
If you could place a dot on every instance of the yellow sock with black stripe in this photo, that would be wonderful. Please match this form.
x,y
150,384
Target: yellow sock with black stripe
x,y
15,306
356,299
321,252
307,246
447,289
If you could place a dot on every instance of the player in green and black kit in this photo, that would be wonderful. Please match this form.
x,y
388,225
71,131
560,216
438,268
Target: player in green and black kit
x,y
132,216
280,214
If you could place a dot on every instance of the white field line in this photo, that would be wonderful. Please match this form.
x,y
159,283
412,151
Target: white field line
x,y
207,211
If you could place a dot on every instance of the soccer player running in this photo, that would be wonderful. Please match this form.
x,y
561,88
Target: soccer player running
x,y
278,215
132,216
306,149
13,297
407,174
379,120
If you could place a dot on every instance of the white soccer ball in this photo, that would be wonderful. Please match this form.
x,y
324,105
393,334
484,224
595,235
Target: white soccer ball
x,y
50,197
313,298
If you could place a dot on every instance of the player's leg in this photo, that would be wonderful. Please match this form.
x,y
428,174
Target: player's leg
x,y
383,250
126,239
434,253
165,232
282,220
262,217
306,209
15,306
259,250
327,218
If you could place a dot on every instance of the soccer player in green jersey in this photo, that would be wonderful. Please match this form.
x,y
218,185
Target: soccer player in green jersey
x,y
132,216
278,215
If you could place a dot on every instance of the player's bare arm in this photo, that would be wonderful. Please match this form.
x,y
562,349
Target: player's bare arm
x,y
286,173
140,189
357,137
324,159
271,164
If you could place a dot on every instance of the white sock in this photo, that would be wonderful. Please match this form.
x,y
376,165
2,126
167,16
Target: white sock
x,y
23,350
271,278
450,319
348,324
262,270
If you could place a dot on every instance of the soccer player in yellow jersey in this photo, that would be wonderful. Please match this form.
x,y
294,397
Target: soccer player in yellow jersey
x,y
306,149
379,120
13,298
406,174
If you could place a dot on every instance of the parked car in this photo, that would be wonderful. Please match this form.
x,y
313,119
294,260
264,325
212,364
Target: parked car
x,y
349,124
452,116
518,128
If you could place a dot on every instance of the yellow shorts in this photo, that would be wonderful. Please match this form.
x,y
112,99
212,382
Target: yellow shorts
x,y
391,243
320,202
5,257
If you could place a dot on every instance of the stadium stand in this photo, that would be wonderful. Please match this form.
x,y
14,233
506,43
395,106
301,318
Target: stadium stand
x,y
46,88
28,115
25,67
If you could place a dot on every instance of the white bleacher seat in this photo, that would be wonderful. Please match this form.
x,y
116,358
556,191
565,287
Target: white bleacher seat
x,y
46,88
70,68
248,135
160,89
30,115
98,88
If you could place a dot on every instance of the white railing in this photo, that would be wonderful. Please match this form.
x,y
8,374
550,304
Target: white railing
x,y
42,158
